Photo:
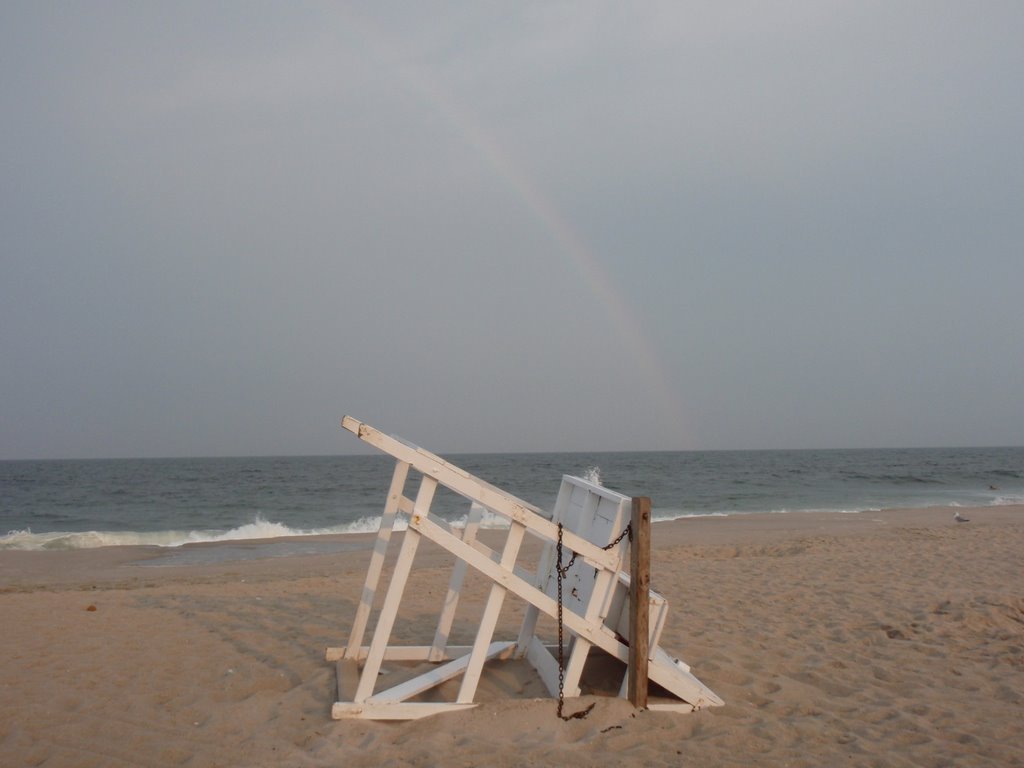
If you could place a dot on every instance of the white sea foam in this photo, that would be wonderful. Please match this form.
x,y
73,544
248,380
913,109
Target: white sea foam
x,y
265,529
667,515
1003,501
257,529
488,520
89,539
260,529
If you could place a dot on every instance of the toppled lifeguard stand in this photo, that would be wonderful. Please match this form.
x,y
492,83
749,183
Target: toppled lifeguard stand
x,y
586,525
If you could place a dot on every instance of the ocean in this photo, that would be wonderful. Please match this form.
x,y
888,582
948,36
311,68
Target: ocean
x,y
169,502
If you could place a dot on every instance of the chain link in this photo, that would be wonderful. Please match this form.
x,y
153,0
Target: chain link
x,y
561,572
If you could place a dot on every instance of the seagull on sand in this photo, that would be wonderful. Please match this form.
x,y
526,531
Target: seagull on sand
x,y
960,518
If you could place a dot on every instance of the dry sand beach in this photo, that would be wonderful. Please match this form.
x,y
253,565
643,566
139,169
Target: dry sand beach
x,y
889,638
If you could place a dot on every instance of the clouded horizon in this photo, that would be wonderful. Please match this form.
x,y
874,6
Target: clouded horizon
x,y
511,227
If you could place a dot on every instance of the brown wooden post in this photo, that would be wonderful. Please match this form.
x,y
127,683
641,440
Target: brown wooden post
x,y
639,606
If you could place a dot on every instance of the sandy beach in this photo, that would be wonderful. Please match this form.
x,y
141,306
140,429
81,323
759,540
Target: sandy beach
x,y
891,638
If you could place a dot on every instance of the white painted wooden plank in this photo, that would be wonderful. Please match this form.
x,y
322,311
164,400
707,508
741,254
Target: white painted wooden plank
x,y
578,504
432,464
578,653
489,620
665,672
527,630
397,652
545,569
596,514
658,612
476,658
545,663
476,489
671,677
348,678
435,677
618,615
602,582
451,600
578,582
389,611
406,652
598,635
393,710
380,548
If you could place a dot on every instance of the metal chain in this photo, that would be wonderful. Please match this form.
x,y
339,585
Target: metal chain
x,y
561,572
561,652
627,531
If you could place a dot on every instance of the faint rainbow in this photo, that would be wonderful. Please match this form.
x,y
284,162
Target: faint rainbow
x,y
596,277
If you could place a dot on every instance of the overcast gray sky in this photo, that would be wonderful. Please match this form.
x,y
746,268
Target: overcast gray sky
x,y
509,226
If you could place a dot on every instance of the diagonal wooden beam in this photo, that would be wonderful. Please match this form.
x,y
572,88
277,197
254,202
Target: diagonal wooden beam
x,y
472,487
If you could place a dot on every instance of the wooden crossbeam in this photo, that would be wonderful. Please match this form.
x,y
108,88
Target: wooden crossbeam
x,y
471,487
438,675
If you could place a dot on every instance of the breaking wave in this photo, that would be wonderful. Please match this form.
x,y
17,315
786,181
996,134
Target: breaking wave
x,y
667,515
257,529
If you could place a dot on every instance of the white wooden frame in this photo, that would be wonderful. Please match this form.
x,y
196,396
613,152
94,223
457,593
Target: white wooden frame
x,y
595,592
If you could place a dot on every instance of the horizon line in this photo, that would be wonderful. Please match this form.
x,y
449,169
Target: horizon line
x,y
181,457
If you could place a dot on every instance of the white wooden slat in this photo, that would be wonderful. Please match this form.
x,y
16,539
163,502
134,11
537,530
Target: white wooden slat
x,y
578,500
393,710
348,678
471,487
578,653
429,463
451,600
668,676
578,583
409,652
527,630
544,662
665,672
380,549
602,583
389,611
435,676
599,635
489,620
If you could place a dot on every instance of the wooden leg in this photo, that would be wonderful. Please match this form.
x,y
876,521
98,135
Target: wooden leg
x,y
451,600
490,617
389,611
380,550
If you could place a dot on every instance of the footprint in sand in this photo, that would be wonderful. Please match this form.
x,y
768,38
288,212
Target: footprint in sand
x,y
892,633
